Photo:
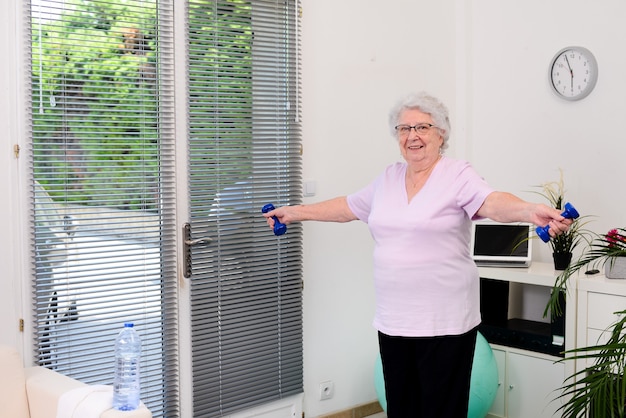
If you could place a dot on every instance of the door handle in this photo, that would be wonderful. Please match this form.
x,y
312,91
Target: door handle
x,y
201,241
187,244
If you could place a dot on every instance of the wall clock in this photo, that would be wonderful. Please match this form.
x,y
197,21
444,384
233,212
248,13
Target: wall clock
x,y
573,73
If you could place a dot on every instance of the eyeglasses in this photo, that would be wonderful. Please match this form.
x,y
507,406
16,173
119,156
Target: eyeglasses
x,y
420,129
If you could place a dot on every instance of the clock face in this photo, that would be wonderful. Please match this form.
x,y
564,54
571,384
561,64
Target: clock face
x,y
573,73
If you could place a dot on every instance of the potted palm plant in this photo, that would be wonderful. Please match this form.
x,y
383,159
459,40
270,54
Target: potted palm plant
x,y
599,390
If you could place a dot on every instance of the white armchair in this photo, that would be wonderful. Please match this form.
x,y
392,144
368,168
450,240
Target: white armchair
x,y
35,392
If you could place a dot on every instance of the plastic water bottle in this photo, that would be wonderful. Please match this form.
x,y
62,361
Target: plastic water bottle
x,y
126,385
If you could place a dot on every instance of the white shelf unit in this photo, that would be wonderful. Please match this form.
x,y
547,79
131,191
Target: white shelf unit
x,y
529,380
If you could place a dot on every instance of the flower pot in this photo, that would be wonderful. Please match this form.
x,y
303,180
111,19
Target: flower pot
x,y
561,260
615,268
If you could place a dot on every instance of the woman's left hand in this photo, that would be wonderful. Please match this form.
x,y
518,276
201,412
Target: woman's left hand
x,y
544,215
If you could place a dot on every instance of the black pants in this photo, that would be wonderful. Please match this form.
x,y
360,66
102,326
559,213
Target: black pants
x,y
427,377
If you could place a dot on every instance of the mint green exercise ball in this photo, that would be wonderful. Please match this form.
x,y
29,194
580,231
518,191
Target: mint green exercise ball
x,y
484,383
483,386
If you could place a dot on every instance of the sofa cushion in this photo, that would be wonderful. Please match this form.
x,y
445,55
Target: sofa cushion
x,y
12,384
44,388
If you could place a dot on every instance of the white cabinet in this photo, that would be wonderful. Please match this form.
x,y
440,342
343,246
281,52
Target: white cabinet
x,y
527,384
498,409
529,380
599,299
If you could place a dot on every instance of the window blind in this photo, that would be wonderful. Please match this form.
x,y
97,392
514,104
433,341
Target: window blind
x,y
102,162
244,152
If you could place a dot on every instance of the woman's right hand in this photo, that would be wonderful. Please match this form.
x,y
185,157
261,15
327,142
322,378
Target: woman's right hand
x,y
282,213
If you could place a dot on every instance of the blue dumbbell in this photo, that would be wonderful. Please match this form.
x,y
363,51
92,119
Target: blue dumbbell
x,y
279,228
570,212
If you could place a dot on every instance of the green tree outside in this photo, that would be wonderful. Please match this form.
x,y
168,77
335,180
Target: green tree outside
x,y
95,103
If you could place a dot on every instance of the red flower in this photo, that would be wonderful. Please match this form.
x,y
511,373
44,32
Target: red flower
x,y
614,237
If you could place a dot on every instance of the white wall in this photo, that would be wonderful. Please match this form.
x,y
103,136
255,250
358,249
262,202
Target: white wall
x,y
359,57
487,59
521,132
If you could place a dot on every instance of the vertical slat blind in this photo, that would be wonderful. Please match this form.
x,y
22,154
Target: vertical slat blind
x,y
102,164
244,138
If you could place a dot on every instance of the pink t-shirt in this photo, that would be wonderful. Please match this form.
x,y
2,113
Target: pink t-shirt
x,y
425,280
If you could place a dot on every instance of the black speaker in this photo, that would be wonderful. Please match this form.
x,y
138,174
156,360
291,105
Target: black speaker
x,y
494,302
557,325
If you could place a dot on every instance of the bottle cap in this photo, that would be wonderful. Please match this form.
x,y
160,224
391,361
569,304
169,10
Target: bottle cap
x,y
128,324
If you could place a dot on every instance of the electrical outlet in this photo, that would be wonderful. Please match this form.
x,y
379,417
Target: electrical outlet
x,y
327,390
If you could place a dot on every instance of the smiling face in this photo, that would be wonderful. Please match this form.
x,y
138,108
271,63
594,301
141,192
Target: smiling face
x,y
418,148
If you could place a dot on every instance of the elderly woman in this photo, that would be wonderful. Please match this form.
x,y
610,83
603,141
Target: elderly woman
x,y
419,213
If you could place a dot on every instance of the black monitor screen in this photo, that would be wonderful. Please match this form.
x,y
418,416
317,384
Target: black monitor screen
x,y
501,240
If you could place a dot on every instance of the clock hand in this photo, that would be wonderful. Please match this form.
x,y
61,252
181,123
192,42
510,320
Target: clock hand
x,y
571,72
568,66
